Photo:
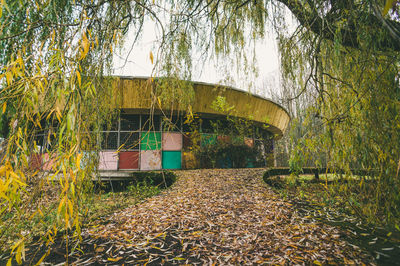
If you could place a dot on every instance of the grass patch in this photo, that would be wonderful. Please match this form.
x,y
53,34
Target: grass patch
x,y
345,202
96,204
349,194
104,204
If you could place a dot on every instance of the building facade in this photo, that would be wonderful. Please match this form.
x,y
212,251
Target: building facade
x,y
146,137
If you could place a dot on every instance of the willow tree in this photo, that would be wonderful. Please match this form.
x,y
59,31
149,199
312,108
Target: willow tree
x,y
349,57
55,55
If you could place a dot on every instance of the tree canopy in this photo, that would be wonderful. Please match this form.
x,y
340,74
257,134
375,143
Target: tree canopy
x,y
55,55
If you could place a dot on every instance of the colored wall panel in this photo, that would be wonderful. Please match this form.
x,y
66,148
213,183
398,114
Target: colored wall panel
x,y
250,163
129,160
48,163
150,160
224,163
171,159
150,141
208,139
108,160
171,141
189,160
35,161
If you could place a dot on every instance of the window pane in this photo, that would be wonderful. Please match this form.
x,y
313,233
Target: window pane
x,y
151,122
129,140
130,122
208,125
109,141
171,123
112,126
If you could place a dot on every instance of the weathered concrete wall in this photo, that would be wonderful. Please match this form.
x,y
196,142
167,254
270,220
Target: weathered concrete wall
x,y
136,94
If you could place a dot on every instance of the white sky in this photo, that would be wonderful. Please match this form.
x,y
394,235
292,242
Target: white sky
x,y
139,64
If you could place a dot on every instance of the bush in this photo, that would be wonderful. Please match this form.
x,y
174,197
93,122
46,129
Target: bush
x,y
223,155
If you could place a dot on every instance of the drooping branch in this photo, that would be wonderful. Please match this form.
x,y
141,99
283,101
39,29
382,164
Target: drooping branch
x,y
326,26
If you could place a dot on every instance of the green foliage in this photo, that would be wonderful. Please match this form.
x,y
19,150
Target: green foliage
x,y
229,155
158,179
54,56
52,61
351,121
174,94
143,190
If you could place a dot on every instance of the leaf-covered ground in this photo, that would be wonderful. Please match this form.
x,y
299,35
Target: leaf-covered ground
x,y
213,217
216,216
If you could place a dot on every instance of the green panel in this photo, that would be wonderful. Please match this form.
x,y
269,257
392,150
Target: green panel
x,y
250,163
171,160
224,162
150,141
208,139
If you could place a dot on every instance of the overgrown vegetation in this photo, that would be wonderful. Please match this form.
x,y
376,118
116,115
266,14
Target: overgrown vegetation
x,y
98,204
343,201
54,56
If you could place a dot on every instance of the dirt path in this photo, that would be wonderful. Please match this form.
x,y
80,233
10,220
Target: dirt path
x,y
215,216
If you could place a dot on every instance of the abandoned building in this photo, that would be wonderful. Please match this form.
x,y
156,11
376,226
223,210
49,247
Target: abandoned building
x,y
226,128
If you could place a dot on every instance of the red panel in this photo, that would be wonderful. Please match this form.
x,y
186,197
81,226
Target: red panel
x,y
129,160
35,161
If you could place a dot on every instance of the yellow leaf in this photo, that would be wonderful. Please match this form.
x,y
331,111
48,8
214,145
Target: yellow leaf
x,y
151,57
9,77
78,76
85,45
2,170
60,205
114,259
20,253
388,5
43,257
159,102
4,107
71,209
58,115
17,178
4,4
2,195
78,160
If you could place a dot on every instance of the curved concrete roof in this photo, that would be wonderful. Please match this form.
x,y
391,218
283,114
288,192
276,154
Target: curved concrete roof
x,y
136,94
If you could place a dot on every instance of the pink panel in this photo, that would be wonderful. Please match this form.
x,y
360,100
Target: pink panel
x,y
171,141
48,163
108,160
150,160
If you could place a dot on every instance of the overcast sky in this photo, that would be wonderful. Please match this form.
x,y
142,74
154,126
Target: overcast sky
x,y
138,64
